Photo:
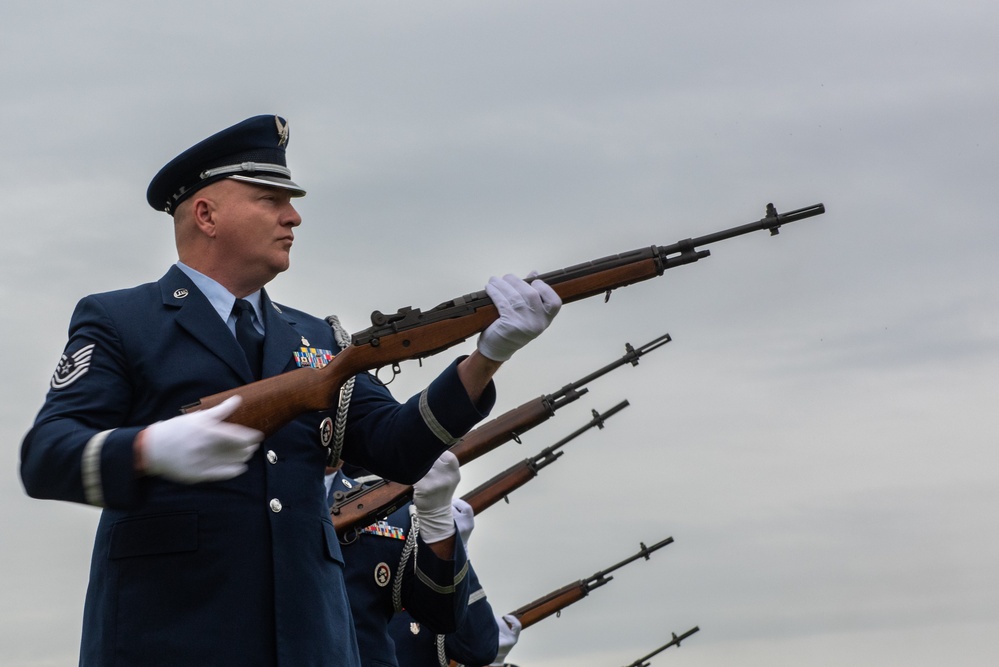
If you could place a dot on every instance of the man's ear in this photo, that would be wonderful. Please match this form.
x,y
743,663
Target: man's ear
x,y
203,211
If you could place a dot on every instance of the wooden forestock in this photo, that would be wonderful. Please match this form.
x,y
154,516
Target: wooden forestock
x,y
550,604
508,426
496,489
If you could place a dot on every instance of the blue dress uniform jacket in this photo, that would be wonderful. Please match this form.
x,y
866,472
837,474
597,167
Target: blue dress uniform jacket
x,y
434,590
473,643
246,571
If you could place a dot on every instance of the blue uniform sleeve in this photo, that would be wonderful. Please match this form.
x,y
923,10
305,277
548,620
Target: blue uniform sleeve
x,y
476,639
435,590
80,446
474,642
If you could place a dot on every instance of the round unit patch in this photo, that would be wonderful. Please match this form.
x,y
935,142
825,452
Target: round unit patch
x,y
383,575
326,432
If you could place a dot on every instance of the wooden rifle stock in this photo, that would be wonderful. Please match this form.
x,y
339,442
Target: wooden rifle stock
x,y
551,603
410,334
558,600
497,488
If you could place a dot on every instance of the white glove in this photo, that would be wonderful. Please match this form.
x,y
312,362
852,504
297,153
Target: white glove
x,y
509,633
525,310
432,499
464,519
200,446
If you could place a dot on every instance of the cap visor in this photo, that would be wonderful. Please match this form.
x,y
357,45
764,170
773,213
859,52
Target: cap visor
x,y
271,182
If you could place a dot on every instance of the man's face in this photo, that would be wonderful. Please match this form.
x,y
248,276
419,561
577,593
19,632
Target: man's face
x,y
254,228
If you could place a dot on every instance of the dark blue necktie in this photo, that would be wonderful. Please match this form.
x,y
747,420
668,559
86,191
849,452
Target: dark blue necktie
x,y
251,340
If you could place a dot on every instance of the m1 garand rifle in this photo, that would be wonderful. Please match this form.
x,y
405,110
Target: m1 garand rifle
x,y
410,333
556,601
363,505
492,491
644,660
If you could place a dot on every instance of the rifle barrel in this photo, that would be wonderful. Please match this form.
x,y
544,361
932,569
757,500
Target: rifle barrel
x,y
600,578
641,662
631,356
597,421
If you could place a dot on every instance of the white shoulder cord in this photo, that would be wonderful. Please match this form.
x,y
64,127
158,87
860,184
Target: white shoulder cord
x,y
408,550
441,654
343,340
340,426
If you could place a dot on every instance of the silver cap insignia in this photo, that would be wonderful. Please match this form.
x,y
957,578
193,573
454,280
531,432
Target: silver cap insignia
x,y
282,130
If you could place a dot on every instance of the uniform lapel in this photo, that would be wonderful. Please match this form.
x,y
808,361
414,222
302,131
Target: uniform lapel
x,y
281,338
196,315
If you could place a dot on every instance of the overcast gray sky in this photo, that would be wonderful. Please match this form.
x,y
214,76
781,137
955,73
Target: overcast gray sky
x,y
819,437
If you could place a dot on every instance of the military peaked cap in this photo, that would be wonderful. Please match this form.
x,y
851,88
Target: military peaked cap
x,y
252,151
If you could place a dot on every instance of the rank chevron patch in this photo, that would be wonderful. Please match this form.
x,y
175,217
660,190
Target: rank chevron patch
x,y
72,368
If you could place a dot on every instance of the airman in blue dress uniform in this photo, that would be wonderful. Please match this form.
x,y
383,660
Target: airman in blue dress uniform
x,y
215,545
480,637
412,559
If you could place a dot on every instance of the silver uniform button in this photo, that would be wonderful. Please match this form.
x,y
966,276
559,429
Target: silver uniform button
x,y
275,505
271,456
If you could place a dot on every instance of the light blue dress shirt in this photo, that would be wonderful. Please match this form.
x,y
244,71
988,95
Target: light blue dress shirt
x,y
222,300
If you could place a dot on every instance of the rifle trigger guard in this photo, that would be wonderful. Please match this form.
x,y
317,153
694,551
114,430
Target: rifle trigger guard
x,y
607,296
396,370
